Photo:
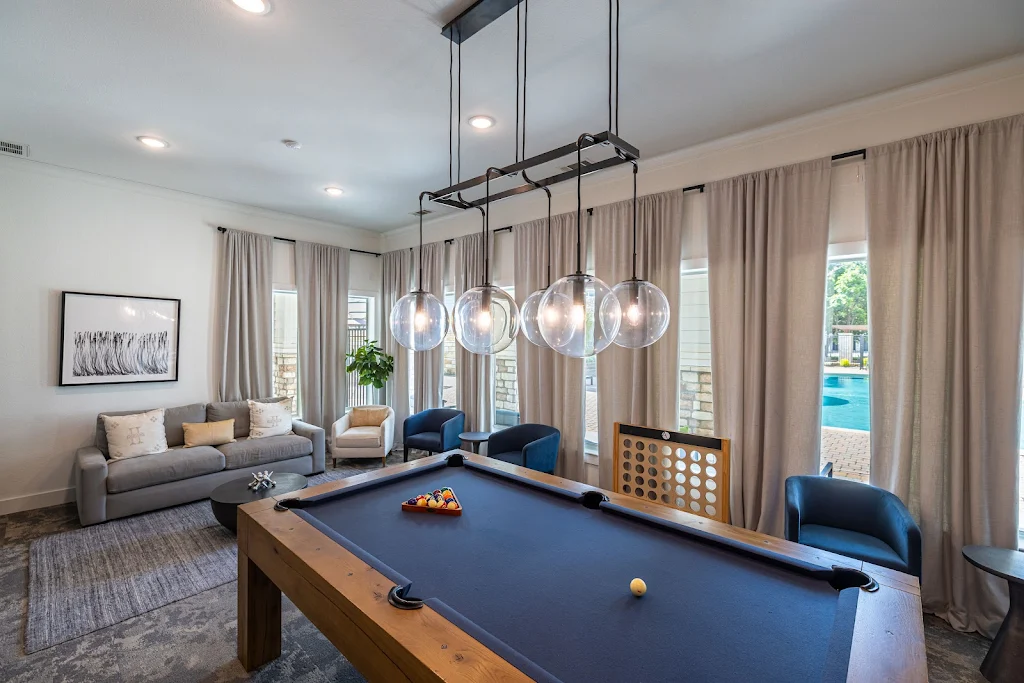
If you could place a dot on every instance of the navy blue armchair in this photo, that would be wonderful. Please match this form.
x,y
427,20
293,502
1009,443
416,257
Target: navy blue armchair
x,y
853,519
530,445
435,430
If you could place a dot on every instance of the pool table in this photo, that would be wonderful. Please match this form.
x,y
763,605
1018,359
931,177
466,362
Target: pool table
x,y
532,582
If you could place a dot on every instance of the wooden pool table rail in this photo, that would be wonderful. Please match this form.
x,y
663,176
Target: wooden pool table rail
x,y
347,599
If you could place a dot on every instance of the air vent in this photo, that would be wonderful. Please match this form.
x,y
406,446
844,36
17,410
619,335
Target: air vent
x,y
422,212
13,148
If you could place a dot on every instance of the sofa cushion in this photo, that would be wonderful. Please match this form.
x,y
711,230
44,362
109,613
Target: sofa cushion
x,y
209,433
234,410
160,468
368,416
359,437
852,544
173,418
428,441
249,452
270,419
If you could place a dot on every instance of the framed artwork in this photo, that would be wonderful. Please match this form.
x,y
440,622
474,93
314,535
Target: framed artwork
x,y
112,339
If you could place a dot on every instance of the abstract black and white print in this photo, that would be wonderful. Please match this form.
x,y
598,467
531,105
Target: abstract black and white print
x,y
102,354
112,339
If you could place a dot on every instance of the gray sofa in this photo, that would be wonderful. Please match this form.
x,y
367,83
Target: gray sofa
x,y
108,489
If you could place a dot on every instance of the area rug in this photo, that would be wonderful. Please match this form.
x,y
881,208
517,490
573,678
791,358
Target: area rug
x,y
87,579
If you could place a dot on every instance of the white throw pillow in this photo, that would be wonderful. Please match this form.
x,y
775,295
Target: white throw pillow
x,y
269,419
132,435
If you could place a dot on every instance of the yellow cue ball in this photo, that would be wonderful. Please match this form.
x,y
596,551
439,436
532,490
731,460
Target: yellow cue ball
x,y
637,587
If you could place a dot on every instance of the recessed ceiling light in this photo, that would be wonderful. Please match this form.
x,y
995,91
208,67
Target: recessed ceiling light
x,y
150,141
254,6
334,191
292,144
481,122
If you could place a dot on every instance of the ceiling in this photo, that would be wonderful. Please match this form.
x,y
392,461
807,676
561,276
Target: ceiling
x,y
363,84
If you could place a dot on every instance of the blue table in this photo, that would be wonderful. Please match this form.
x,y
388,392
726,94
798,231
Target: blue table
x,y
537,571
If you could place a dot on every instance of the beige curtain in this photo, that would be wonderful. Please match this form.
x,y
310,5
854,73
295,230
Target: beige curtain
x,y
247,316
397,272
639,386
474,374
767,255
321,280
550,384
945,262
428,366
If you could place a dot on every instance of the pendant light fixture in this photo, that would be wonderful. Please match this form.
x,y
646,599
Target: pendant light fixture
x,y
530,311
486,317
419,320
579,315
645,310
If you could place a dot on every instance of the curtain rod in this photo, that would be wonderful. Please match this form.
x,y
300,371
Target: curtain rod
x,y
507,228
291,241
835,157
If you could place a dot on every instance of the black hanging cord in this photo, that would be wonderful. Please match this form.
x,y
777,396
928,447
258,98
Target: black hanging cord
x,y
458,120
579,201
617,17
609,64
526,42
636,168
518,23
548,193
487,221
420,257
451,107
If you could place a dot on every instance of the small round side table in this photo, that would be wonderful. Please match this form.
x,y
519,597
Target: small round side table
x,y
475,439
1005,659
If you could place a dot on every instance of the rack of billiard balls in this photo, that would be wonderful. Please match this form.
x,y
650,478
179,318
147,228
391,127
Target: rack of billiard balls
x,y
442,501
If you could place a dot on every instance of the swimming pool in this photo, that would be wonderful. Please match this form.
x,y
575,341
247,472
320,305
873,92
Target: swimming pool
x,y
845,402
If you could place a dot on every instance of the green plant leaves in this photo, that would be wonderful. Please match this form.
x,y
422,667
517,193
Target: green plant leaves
x,y
373,366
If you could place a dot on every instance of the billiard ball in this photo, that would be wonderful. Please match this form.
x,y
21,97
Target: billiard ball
x,y
433,503
452,505
421,502
638,587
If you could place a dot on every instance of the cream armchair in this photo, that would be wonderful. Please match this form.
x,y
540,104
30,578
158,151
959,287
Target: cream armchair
x,y
364,432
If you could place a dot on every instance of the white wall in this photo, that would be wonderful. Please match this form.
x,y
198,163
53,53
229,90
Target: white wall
x,y
67,230
988,92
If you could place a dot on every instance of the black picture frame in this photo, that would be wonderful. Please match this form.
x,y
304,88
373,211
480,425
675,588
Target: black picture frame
x,y
174,332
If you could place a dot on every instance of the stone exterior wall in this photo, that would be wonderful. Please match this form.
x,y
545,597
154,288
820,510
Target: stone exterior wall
x,y
696,411
506,384
285,381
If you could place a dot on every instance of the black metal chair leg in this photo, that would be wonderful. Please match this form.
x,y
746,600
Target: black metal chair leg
x,y
405,456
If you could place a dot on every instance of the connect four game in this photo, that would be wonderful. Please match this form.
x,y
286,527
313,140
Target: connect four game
x,y
684,471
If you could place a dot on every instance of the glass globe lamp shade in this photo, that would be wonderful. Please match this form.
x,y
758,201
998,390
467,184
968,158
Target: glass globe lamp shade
x,y
419,321
486,320
645,313
579,316
530,316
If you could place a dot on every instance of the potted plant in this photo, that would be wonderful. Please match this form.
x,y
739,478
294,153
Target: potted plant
x,y
373,366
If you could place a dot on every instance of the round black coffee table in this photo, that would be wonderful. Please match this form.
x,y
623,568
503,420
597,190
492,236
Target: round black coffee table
x,y
1005,658
226,498
475,439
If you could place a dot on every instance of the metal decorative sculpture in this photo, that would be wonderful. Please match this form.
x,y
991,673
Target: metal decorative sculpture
x,y
261,481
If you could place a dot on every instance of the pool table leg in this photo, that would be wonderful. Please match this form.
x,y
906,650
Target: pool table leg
x,y
259,615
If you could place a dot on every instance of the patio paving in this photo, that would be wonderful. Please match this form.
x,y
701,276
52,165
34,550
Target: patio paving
x,y
849,451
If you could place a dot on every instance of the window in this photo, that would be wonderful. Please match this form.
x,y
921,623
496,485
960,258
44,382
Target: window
x,y
506,383
286,333
1020,511
448,349
361,329
845,411
696,410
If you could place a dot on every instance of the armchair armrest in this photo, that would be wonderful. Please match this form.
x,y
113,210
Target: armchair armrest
x,y
542,454
316,435
91,485
450,430
897,528
414,424
388,432
340,426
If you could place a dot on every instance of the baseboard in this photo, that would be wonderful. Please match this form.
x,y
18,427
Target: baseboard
x,y
34,501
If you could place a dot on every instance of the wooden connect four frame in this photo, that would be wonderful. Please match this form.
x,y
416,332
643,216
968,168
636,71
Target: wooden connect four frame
x,y
684,471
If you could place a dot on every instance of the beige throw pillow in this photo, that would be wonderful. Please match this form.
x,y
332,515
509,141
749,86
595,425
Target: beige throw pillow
x,y
368,416
209,433
132,435
269,419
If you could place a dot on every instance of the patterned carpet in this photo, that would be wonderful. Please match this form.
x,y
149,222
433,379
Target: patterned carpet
x,y
193,640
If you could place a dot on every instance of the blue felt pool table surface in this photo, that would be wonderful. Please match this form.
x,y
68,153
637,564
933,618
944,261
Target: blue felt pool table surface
x,y
543,581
